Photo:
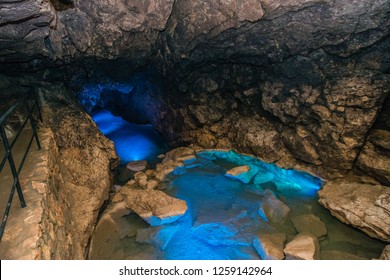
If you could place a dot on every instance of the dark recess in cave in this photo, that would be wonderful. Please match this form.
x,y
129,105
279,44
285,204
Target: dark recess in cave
x,y
62,5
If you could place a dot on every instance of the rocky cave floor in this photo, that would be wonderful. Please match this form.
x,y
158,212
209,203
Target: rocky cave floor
x,y
222,205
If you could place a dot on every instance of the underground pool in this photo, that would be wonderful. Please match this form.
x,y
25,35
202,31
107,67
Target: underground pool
x,y
227,215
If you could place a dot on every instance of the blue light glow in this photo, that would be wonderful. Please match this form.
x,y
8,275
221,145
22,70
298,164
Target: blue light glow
x,y
132,141
223,213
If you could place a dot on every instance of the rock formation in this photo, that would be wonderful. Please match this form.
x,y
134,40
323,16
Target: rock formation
x,y
304,246
270,246
309,223
364,206
300,83
80,178
154,206
374,158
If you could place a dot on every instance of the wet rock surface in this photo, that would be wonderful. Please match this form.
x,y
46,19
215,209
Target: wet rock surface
x,y
154,206
270,246
273,209
361,205
230,227
304,246
309,223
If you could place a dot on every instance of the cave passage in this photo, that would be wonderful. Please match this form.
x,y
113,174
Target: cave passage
x,y
107,103
132,141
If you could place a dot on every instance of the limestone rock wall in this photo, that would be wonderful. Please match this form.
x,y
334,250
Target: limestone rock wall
x,y
307,78
80,178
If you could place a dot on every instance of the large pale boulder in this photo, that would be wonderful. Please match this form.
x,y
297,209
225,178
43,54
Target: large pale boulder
x,y
304,246
309,223
154,206
269,246
364,206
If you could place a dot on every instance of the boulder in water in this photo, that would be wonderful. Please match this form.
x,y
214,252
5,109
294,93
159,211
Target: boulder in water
x,y
309,223
243,173
270,246
304,246
364,206
154,206
263,177
272,208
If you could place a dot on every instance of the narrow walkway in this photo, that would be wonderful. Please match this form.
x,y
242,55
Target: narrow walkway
x,y
23,230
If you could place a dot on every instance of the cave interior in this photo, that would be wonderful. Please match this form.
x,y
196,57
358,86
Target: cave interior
x,y
300,85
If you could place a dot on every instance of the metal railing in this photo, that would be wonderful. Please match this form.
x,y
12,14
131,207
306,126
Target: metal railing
x,y
33,112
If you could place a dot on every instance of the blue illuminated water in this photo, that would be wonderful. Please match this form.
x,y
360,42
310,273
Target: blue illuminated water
x,y
132,141
223,216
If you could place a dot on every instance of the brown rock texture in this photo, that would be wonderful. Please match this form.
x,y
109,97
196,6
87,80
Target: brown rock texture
x,y
273,209
386,253
364,206
270,246
309,223
304,246
374,158
80,177
154,206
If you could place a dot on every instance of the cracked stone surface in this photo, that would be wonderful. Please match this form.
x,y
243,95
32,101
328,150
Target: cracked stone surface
x,y
364,206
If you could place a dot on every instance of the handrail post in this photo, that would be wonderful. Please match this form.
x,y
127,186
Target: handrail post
x,y
33,124
36,100
12,166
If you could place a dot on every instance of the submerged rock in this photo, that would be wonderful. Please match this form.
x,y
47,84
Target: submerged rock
x,y
338,255
218,234
262,178
272,208
154,206
364,206
309,223
270,246
243,173
304,246
157,236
